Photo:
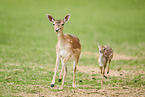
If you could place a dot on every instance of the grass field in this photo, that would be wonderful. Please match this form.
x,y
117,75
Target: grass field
x,y
27,47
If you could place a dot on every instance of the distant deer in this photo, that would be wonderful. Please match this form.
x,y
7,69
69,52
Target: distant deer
x,y
105,56
68,48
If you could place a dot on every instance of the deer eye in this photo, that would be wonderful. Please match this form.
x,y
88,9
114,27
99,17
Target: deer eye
x,y
104,49
53,24
62,24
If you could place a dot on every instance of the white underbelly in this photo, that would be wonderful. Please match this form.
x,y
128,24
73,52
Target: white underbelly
x,y
101,61
63,53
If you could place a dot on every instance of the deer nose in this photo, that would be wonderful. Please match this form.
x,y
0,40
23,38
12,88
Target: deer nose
x,y
56,30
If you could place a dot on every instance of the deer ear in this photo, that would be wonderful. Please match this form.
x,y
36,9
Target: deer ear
x,y
66,18
50,18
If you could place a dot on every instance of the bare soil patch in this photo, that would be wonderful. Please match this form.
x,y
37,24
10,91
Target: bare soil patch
x,y
109,90
106,91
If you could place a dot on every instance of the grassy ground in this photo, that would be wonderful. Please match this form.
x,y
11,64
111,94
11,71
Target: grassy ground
x,y
27,47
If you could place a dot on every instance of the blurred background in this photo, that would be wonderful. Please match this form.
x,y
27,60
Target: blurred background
x,y
27,38
25,29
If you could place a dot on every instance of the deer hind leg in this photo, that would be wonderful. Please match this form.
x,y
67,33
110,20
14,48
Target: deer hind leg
x,y
108,66
55,70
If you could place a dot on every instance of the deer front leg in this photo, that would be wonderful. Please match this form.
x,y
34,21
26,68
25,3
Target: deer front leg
x,y
55,70
104,71
65,70
60,75
64,75
108,66
101,69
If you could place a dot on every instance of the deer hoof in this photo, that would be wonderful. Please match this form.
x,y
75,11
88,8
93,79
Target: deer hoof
x,y
59,80
105,76
52,85
107,72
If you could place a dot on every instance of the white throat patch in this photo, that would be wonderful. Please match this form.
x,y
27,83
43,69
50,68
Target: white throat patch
x,y
58,34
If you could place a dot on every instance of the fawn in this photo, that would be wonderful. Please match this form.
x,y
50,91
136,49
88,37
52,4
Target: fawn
x,y
105,55
68,47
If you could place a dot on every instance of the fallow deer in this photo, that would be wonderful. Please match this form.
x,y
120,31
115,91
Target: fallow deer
x,y
68,48
105,56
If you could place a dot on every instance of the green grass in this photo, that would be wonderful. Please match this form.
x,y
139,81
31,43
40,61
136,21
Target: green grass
x,y
27,43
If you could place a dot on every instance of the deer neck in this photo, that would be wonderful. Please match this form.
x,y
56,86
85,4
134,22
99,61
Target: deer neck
x,y
61,38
